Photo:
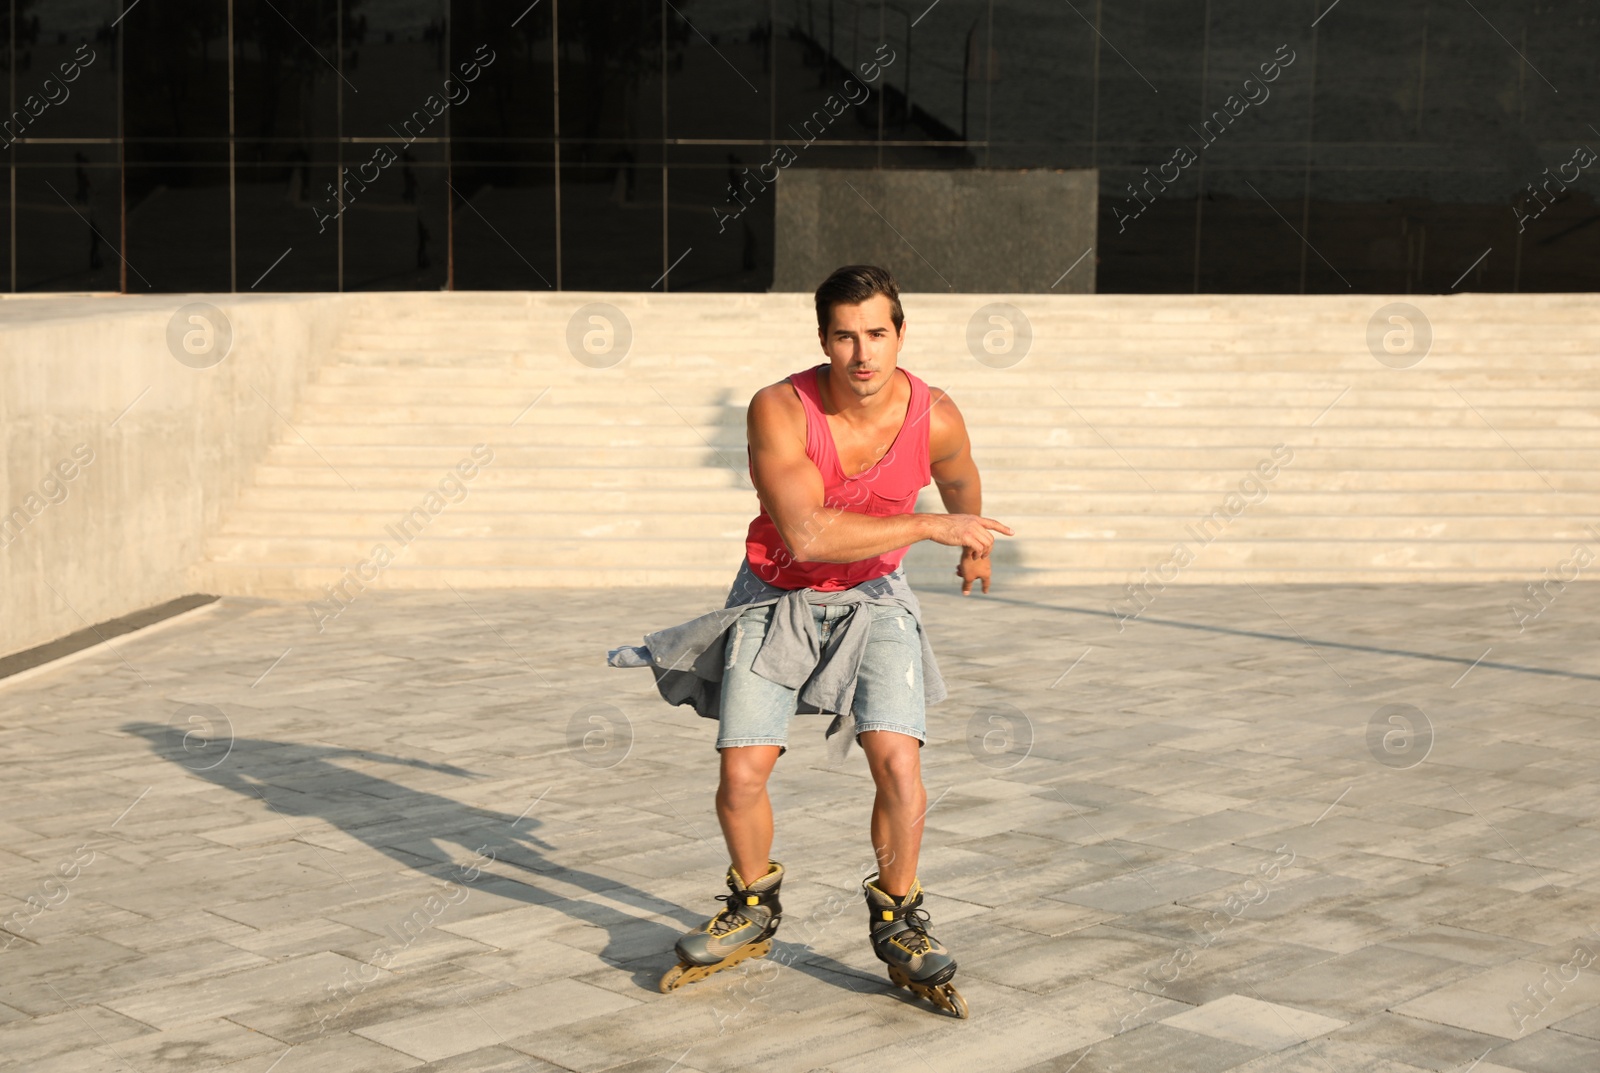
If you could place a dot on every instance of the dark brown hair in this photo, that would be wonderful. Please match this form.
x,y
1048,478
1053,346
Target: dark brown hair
x,y
854,284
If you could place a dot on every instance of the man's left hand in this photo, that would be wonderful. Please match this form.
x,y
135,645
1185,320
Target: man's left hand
x,y
970,569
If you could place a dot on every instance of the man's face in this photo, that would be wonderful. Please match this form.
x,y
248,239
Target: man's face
x,y
862,345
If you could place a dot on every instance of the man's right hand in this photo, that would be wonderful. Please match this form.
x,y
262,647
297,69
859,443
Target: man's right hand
x,y
970,531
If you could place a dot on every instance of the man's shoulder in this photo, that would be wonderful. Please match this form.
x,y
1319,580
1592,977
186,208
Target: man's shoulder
x,y
943,415
778,403
789,387
781,391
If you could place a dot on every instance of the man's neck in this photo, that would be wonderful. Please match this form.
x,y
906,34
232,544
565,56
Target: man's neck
x,y
855,408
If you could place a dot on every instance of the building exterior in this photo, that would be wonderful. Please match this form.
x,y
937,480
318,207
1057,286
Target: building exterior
x,y
1301,147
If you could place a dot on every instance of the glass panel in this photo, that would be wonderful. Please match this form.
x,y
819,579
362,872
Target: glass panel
x,y
1559,251
395,69
6,249
288,240
822,96
611,222
286,113
1041,99
177,217
502,159
1240,233
5,231
719,70
67,225
176,83
395,225
284,72
1150,67
729,241
504,216
175,101
611,74
66,82
1151,59
1560,39
506,75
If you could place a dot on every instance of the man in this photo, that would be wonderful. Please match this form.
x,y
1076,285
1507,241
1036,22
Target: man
x,y
821,618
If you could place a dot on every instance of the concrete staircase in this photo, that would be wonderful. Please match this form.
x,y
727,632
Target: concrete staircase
x,y
1129,421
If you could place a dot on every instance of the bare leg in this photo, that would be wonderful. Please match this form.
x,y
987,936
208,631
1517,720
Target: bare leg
x,y
898,809
744,809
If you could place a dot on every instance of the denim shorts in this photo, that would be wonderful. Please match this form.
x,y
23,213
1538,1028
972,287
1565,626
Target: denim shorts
x,y
756,711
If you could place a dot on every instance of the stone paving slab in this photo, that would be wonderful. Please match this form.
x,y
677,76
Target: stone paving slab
x,y
1266,1026
1499,1002
446,1033
1390,1037
1195,851
1363,982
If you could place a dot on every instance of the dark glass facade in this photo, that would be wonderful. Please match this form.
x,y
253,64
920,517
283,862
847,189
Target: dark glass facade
x,y
1300,146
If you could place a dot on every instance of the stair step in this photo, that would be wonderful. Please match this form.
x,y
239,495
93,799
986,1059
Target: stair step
x,y
530,443
1112,475
1129,422
567,382
1129,555
340,444
1009,405
1001,501
247,528
1066,358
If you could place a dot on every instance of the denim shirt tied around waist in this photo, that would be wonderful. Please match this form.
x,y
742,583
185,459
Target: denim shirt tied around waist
x,y
687,659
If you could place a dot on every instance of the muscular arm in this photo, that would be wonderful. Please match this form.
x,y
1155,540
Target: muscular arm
x,y
790,488
954,471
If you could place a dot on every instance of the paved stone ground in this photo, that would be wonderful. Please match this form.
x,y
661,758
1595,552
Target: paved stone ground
x,y
443,835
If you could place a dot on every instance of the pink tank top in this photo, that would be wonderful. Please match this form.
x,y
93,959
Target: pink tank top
x,y
888,487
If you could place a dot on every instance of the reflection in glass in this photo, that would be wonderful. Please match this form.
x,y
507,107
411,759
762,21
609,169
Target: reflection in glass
x,y
176,82
394,61
393,208
67,219
504,218
284,245
611,223
1401,144
177,220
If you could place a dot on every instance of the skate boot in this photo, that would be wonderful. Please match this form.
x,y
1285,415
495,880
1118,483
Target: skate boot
x,y
741,931
917,961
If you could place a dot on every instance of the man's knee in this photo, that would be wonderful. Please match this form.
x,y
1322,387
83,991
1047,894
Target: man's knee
x,y
740,790
896,762
744,778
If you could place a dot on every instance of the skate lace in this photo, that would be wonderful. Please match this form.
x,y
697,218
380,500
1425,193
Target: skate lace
x,y
727,919
917,921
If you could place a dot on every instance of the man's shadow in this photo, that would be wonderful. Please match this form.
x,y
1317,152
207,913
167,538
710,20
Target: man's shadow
x,y
408,825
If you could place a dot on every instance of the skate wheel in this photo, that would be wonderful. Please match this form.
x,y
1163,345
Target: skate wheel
x,y
673,977
944,996
685,973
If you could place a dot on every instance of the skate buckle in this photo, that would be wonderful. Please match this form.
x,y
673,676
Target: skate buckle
x,y
888,914
752,899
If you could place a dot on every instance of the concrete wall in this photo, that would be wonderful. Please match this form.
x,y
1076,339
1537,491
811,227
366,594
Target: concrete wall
x,y
169,445
971,231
